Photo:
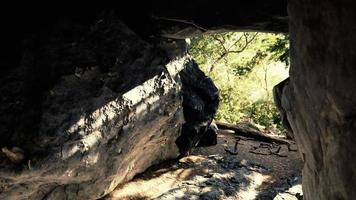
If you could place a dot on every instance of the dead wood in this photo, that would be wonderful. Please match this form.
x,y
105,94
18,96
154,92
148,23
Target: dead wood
x,y
252,133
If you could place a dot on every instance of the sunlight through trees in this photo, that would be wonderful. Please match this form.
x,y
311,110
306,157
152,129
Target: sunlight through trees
x,y
245,66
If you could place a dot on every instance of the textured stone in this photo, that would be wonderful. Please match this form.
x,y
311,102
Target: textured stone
x,y
200,103
321,103
112,106
210,136
278,95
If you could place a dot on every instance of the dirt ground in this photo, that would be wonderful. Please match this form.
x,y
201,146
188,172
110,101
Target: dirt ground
x,y
210,173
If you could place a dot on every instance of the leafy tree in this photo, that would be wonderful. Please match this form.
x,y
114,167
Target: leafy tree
x,y
280,49
245,67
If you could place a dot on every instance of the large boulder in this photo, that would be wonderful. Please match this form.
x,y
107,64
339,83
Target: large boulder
x,y
200,103
321,102
90,111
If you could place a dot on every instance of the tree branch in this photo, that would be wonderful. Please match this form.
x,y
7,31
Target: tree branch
x,y
221,41
229,51
249,132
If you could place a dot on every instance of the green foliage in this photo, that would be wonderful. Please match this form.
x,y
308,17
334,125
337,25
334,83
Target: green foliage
x,y
263,112
280,49
245,67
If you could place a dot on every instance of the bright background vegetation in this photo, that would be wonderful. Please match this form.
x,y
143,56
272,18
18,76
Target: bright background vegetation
x,y
245,67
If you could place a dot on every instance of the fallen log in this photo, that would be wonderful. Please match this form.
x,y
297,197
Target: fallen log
x,y
253,133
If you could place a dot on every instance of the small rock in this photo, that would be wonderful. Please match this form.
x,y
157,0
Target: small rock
x,y
15,155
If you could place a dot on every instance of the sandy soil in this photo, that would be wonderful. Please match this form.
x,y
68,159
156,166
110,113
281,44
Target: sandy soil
x,y
213,173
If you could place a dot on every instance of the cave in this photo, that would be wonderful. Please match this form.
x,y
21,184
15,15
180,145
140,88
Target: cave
x,y
92,96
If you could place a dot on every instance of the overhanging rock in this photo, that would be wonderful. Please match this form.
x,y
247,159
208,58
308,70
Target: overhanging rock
x,y
111,108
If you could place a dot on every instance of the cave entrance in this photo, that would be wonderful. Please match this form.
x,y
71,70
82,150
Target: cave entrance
x,y
245,66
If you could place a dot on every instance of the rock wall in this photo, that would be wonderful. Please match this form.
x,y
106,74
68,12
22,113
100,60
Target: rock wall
x,y
321,102
91,107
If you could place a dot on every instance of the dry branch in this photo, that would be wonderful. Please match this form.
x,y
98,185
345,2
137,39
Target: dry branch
x,y
250,132
227,50
270,148
234,152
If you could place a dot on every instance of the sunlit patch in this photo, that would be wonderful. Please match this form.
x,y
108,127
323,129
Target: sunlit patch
x,y
135,101
194,176
250,191
245,66
291,193
163,181
208,173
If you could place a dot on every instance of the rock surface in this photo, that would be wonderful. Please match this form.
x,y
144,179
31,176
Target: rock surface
x,y
96,110
278,98
200,103
321,106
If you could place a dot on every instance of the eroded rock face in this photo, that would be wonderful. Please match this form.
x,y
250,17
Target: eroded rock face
x,y
110,106
200,102
321,102
278,98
